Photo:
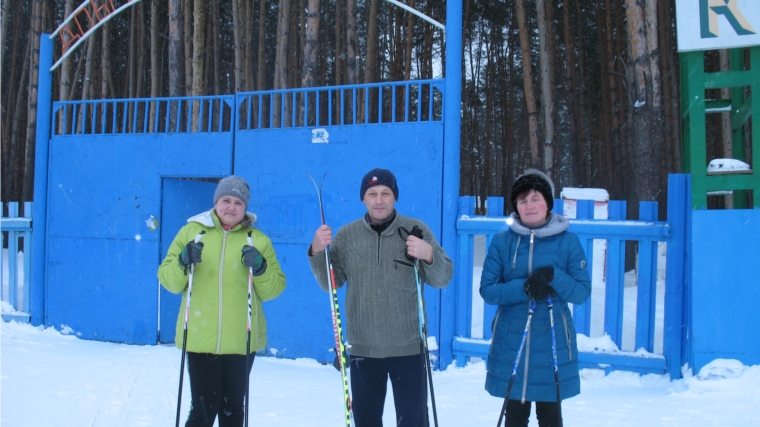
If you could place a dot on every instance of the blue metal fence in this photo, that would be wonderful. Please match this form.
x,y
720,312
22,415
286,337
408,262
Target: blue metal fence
x,y
617,230
197,114
18,230
388,102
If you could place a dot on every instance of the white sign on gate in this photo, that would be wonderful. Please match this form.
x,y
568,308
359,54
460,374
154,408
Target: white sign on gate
x,y
717,24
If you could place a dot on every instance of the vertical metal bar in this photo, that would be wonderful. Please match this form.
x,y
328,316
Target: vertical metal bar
x,y
379,104
294,103
582,312
329,107
342,106
367,94
463,284
13,259
27,239
431,101
168,114
271,110
134,117
419,102
65,118
676,324
407,90
353,105
189,118
615,278
317,109
249,112
306,107
393,103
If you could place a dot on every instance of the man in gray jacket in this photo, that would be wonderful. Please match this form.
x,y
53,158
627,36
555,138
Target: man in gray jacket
x,y
381,300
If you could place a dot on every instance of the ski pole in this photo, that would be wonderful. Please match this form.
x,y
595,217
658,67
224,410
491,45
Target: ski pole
x,y
184,333
423,337
416,232
554,356
340,349
531,310
248,340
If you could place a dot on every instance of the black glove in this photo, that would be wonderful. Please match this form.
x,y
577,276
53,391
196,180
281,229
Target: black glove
x,y
416,232
253,258
537,286
190,254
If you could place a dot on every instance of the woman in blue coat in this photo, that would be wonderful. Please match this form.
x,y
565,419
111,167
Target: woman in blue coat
x,y
536,258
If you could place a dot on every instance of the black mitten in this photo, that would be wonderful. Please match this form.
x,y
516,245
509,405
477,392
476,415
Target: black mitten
x,y
253,258
190,254
537,286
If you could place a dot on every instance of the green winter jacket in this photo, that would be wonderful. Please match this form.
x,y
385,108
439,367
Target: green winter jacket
x,y
219,301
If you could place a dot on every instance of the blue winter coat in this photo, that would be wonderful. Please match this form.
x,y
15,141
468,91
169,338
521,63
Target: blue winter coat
x,y
512,256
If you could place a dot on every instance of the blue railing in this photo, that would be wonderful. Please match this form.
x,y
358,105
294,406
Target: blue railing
x,y
390,102
18,229
203,114
616,231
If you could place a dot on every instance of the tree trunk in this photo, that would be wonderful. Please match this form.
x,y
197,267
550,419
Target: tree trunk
x,y
281,55
570,93
155,75
31,129
66,69
547,83
645,115
261,61
409,46
12,178
352,43
198,54
187,12
176,62
310,46
84,111
238,28
530,95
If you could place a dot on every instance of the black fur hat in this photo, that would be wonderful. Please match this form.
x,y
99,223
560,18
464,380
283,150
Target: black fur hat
x,y
533,179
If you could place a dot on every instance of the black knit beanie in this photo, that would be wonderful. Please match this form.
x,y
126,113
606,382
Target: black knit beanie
x,y
378,177
533,179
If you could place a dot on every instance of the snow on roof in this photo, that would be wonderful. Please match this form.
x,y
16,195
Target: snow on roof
x,y
595,194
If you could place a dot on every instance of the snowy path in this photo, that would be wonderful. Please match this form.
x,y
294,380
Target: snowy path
x,y
50,379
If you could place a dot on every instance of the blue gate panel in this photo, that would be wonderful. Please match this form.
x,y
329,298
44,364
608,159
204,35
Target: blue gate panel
x,y
724,293
103,251
103,289
276,163
181,199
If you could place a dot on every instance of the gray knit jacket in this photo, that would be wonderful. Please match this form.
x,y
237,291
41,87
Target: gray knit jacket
x,y
381,297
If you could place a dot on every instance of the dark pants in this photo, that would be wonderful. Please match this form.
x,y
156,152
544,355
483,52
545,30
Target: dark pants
x,y
369,383
548,414
217,384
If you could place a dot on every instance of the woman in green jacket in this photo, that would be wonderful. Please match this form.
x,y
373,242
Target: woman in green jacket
x,y
217,328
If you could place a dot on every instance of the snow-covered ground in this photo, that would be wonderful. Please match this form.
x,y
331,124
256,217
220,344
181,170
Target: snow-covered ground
x,y
53,378
57,380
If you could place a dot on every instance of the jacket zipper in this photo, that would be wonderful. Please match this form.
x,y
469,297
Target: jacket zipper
x,y
530,254
221,280
517,247
567,336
